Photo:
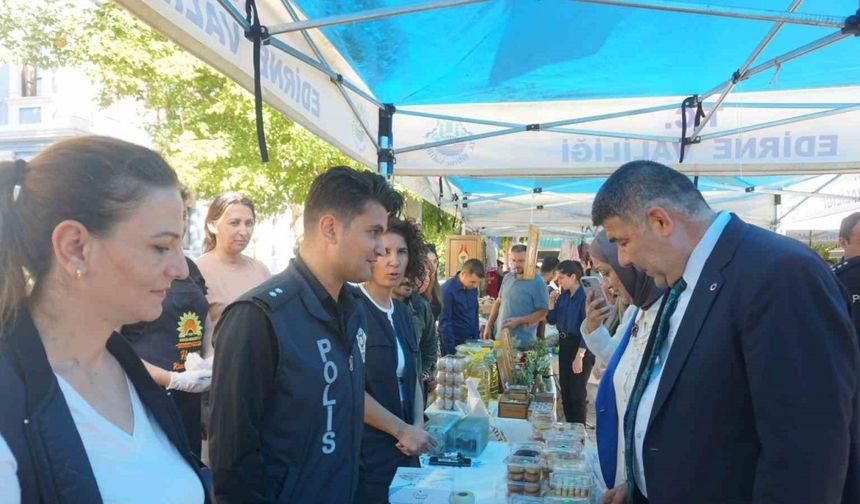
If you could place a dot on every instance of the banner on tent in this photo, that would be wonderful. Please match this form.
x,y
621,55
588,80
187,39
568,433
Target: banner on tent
x,y
829,142
296,89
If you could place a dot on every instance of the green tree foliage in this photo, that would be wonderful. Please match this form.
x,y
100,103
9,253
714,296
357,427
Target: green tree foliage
x,y
436,225
201,121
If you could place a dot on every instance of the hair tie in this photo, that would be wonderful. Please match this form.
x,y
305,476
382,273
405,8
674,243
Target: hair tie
x,y
18,166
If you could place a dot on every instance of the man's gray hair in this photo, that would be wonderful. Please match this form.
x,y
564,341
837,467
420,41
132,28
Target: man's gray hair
x,y
640,185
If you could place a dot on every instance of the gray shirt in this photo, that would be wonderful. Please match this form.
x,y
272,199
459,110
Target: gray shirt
x,y
521,297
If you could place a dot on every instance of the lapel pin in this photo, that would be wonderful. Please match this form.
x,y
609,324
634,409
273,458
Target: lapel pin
x,y
713,287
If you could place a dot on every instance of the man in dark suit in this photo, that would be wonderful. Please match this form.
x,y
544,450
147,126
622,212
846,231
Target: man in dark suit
x,y
748,390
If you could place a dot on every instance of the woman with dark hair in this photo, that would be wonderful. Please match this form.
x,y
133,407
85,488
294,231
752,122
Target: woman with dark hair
x,y
90,240
622,352
566,312
394,432
228,272
430,289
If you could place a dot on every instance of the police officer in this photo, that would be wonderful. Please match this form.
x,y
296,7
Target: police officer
x,y
848,270
165,343
288,384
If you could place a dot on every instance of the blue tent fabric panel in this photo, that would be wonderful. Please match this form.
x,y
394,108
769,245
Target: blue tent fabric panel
x,y
540,50
519,186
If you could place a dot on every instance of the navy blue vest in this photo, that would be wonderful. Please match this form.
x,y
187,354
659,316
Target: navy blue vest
x,y
379,454
37,425
311,436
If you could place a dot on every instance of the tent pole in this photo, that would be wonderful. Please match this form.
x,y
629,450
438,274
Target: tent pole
x,y
780,192
565,122
385,153
337,81
366,15
520,129
790,120
779,221
740,74
734,12
779,60
781,105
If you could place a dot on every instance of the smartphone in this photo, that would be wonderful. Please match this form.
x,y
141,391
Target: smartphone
x,y
595,285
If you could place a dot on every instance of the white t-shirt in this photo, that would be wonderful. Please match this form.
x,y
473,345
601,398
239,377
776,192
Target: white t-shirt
x,y
401,357
138,468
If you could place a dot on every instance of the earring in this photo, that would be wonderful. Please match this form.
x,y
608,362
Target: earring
x,y
78,273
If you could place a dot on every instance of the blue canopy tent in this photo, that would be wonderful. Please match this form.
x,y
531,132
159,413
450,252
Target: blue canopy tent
x,y
509,112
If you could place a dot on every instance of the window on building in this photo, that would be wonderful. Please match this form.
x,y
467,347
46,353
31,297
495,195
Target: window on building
x,y
31,80
29,115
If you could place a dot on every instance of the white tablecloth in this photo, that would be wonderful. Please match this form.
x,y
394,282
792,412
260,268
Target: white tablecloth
x,y
486,477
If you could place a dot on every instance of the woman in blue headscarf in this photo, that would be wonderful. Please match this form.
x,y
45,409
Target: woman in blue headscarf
x,y
622,351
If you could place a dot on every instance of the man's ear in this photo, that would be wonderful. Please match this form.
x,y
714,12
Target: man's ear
x,y
842,242
660,221
328,228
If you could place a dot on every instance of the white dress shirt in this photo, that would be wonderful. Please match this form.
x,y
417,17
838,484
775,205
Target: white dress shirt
x,y
692,272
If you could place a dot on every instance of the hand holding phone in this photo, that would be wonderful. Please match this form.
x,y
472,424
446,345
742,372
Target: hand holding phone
x,y
597,306
594,285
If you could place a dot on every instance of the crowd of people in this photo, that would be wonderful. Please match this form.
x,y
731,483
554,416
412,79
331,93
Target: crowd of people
x,y
732,362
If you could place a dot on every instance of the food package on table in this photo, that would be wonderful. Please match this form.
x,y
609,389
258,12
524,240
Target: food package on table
x,y
421,485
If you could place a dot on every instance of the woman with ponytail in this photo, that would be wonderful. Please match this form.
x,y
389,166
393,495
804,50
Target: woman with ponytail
x,y
90,240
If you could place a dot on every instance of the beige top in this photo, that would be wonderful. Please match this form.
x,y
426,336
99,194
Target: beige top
x,y
226,282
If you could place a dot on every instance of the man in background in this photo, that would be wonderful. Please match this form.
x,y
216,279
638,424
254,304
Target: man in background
x,y
458,321
848,270
521,305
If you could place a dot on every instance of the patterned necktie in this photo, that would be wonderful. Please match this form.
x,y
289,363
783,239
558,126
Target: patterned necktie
x,y
652,362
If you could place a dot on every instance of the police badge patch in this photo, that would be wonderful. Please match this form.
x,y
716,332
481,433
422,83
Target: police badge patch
x,y
361,337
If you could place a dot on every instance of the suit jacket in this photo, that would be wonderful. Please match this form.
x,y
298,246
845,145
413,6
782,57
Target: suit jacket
x,y
758,401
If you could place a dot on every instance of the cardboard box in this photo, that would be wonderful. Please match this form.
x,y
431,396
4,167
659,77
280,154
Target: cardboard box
x,y
421,485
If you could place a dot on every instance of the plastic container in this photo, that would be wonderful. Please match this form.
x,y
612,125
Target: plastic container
x,y
494,376
552,499
556,456
471,435
576,430
523,488
451,380
570,484
440,426
476,367
564,441
525,499
542,422
523,469
577,465
525,449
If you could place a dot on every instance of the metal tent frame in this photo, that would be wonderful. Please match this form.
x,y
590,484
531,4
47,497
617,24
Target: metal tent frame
x,y
459,201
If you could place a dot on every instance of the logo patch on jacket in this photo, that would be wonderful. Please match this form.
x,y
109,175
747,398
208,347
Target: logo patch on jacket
x,y
361,337
189,325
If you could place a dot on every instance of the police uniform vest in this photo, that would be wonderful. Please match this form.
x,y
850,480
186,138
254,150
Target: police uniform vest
x,y
848,273
311,435
167,341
